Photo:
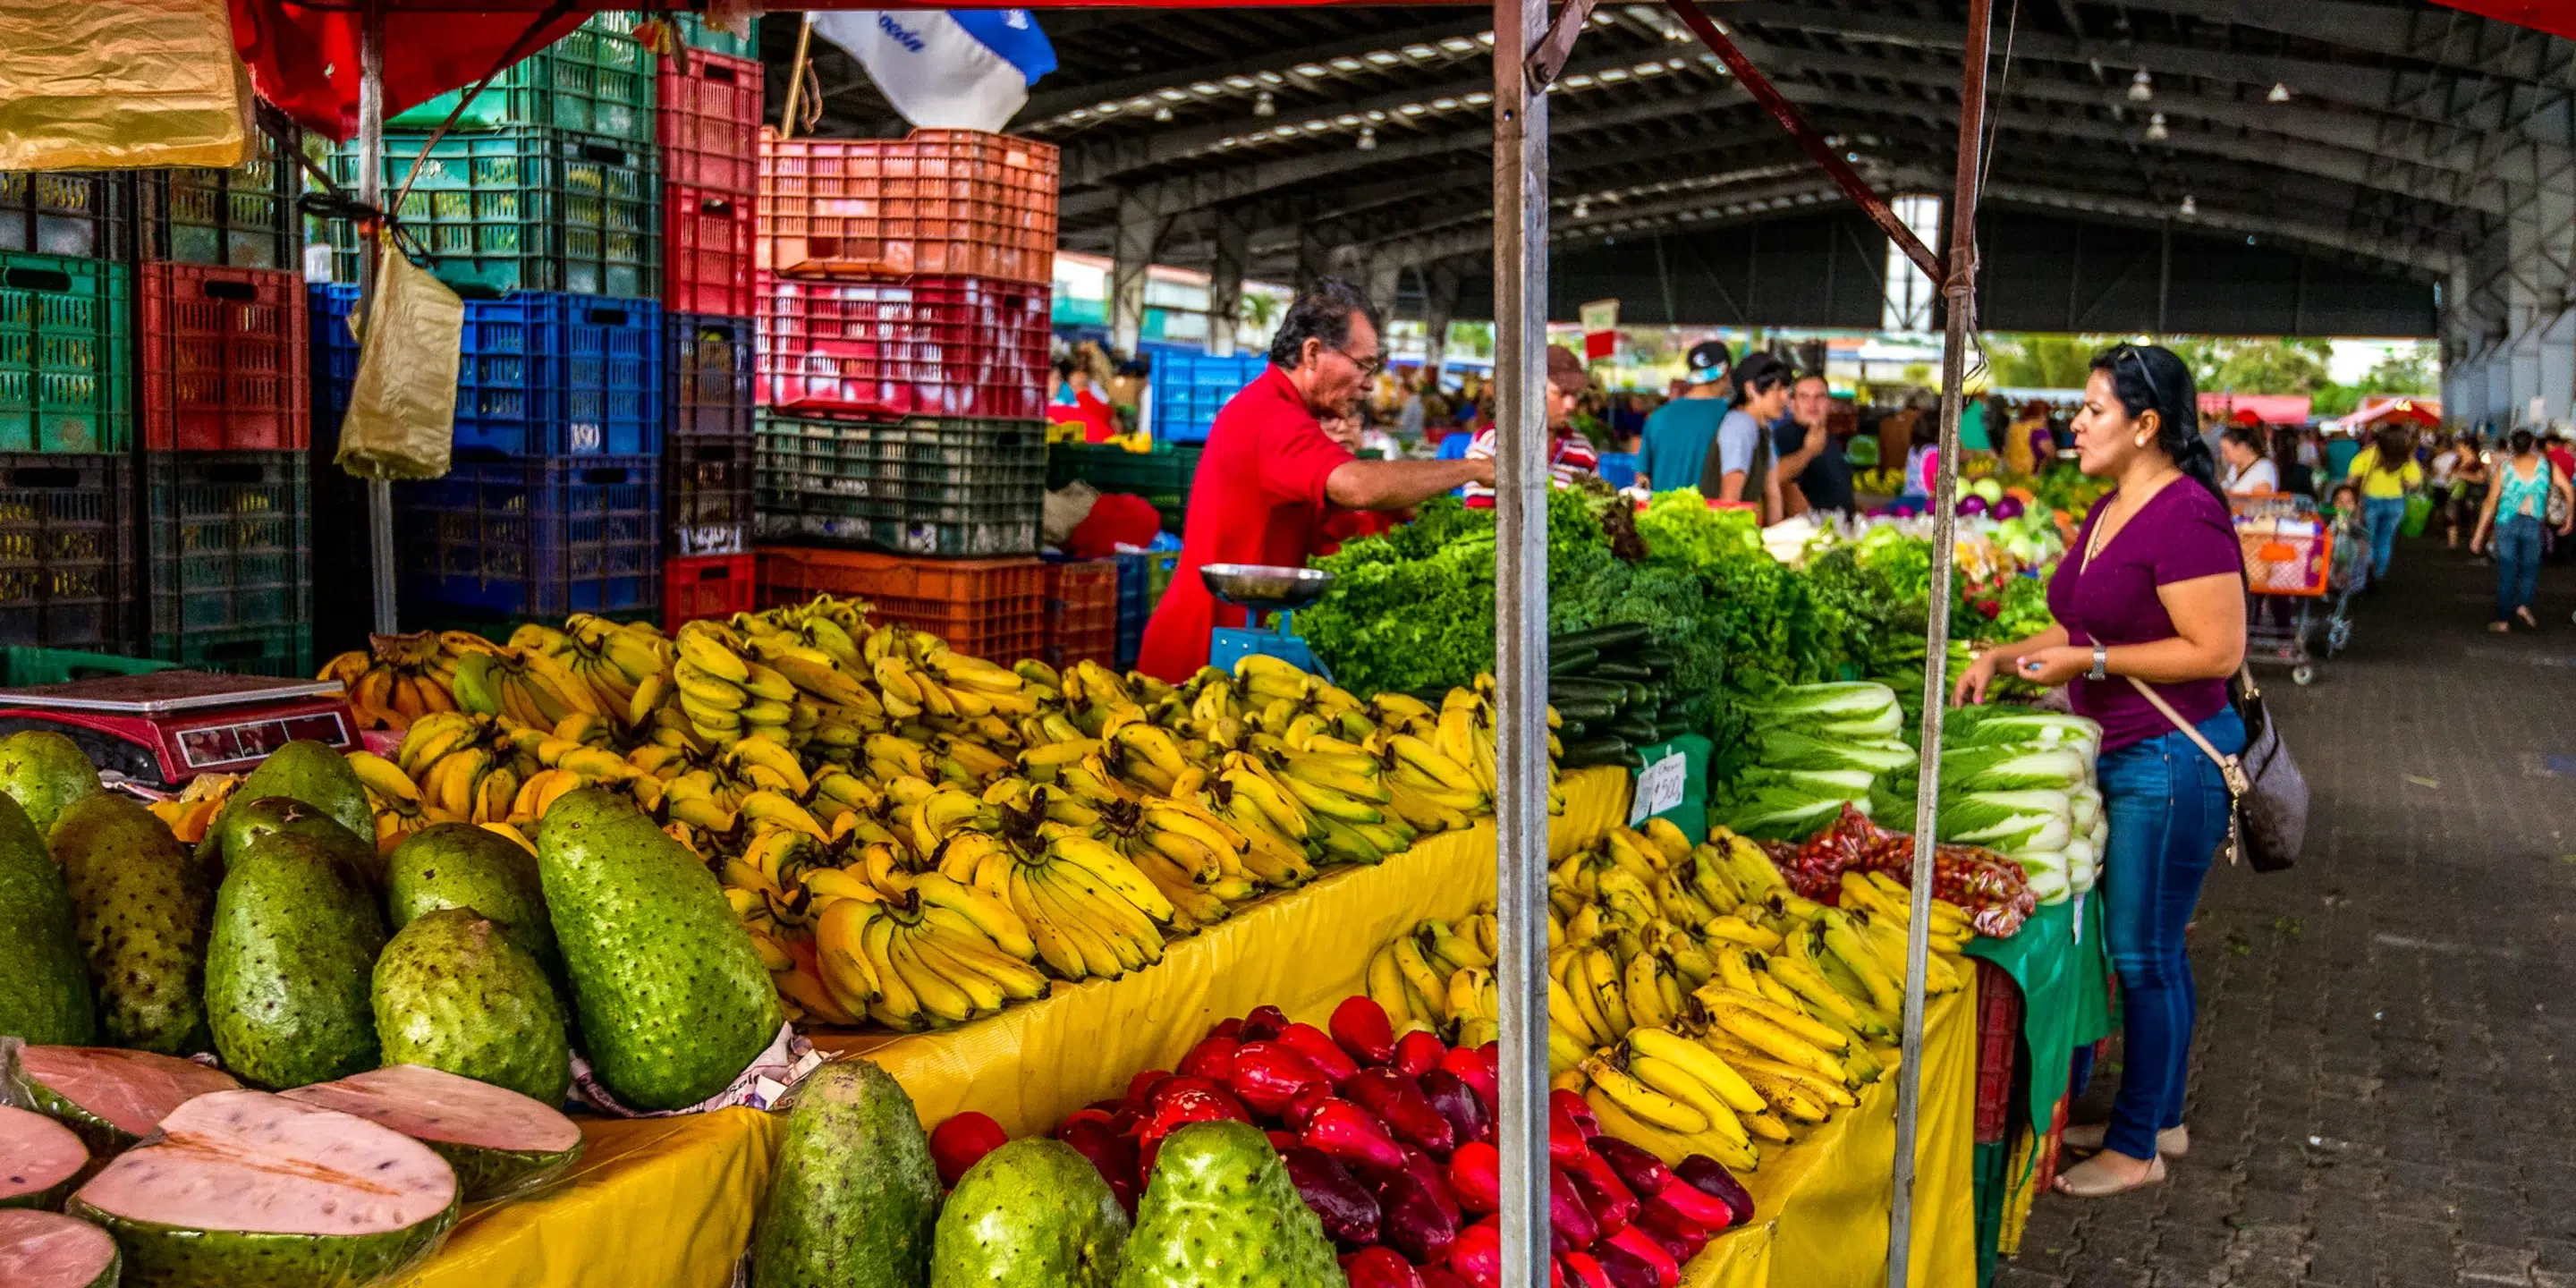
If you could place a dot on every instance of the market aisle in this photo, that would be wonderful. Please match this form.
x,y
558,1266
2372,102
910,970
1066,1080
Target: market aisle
x,y
2374,1098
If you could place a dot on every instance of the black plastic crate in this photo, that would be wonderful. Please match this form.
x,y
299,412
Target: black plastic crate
x,y
534,538
67,575
710,375
244,217
708,493
228,541
79,213
284,651
921,485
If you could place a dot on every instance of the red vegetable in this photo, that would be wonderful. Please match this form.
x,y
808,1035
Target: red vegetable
x,y
1565,1139
962,1140
1709,1176
1571,1103
1312,1043
1704,1210
1263,1024
1440,1277
1456,1101
1610,1200
1477,1071
1360,1025
1477,1256
1435,1181
1415,1221
1566,1213
1624,1269
1476,1177
1349,1212
1212,1058
1281,1140
1269,1076
1352,1135
1635,1242
1580,1269
1113,1154
1642,1172
1380,1268
1418,1051
1408,1113
1142,1085
1175,1105
1228,1029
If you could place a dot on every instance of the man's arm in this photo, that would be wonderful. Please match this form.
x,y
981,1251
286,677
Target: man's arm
x,y
1795,463
1393,485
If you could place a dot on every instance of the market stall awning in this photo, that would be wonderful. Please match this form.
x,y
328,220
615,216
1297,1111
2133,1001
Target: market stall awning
x,y
2268,409
305,60
2557,17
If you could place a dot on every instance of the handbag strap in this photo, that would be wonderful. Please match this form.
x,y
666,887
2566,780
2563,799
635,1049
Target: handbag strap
x,y
2229,767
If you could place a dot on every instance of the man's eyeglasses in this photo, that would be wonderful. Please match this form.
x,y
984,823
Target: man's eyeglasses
x,y
1369,367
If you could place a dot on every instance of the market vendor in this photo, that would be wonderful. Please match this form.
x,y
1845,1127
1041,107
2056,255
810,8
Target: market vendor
x,y
1269,472
1570,455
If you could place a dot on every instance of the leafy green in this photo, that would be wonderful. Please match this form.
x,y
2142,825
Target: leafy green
x,y
2012,766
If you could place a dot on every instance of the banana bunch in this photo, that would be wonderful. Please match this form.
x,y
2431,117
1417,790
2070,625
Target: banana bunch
x,y
458,765
627,667
919,951
397,679
1089,912
1193,857
526,686
1440,977
727,695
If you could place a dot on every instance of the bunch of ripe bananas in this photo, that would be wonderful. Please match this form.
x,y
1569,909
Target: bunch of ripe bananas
x,y
397,679
626,667
490,770
1695,1001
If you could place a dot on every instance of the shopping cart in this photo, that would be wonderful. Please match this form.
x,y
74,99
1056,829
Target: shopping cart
x,y
2289,569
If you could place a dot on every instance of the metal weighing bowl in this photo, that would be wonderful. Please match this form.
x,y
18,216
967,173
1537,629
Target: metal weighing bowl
x,y
1263,587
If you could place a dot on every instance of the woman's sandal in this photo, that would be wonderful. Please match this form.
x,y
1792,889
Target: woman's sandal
x,y
2086,1138
2091,1180
2524,613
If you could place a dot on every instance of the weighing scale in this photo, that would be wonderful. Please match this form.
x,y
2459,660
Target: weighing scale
x,y
162,728
1262,589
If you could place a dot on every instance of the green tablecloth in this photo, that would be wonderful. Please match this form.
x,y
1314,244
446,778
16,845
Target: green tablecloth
x,y
2065,986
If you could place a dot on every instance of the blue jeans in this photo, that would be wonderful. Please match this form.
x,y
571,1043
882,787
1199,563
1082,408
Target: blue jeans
x,y
2517,556
2167,807
2382,514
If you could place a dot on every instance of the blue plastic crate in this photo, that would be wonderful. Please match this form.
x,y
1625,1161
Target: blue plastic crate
x,y
533,538
542,373
1189,388
1134,606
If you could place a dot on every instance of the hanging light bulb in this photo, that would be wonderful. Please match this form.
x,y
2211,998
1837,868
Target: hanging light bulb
x,y
2190,208
2280,93
1163,113
1368,138
2156,132
1264,105
2142,87
1582,208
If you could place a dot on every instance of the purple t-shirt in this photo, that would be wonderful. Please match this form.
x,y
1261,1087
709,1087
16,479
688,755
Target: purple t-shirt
x,y
2181,532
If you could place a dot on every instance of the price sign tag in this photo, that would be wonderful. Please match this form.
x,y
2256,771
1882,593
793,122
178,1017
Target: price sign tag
x,y
1659,788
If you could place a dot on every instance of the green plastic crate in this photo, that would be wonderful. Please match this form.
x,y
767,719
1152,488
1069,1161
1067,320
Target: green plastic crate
x,y
598,80
525,209
696,34
1162,476
20,667
66,365
244,217
923,485
285,651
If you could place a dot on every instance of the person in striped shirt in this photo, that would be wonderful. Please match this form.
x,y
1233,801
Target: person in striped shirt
x,y
1570,455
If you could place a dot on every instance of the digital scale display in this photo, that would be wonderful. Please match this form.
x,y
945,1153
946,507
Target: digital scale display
x,y
212,746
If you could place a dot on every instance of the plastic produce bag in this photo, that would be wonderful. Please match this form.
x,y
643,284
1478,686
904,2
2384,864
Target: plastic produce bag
x,y
402,410
2419,509
89,86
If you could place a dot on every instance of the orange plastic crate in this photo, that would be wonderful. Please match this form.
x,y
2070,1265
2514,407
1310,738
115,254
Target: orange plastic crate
x,y
940,201
1082,612
989,608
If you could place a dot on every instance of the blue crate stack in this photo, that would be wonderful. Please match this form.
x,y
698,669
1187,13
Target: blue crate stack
x,y
1190,387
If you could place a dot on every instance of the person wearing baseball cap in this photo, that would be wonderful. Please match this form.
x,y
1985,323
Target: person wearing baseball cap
x,y
1678,435
1570,455
1742,467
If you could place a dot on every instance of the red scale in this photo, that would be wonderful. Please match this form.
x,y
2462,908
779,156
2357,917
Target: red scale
x,y
162,728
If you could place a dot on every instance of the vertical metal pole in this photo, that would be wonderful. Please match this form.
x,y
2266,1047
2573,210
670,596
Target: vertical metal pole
x,y
371,187
1520,630
1959,289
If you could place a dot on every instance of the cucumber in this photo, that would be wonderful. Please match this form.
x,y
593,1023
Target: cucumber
x,y
1643,695
1606,670
1596,751
1635,729
1660,660
1608,639
1577,687
1570,729
1586,711
1572,661
1667,730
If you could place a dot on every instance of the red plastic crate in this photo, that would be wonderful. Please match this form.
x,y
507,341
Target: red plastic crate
x,y
710,122
1999,1011
706,257
931,345
988,608
940,201
1081,612
698,586
224,354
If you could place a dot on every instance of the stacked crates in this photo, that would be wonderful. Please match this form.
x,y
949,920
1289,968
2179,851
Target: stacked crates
x,y
903,310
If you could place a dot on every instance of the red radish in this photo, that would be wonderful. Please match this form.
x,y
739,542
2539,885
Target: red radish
x,y
38,1159
1418,1051
1360,1025
1477,1256
962,1141
112,1097
499,1141
1352,1135
360,1199
1349,1212
1476,1177
50,1250
1380,1268
1264,1024
1269,1076
1315,1045
1212,1058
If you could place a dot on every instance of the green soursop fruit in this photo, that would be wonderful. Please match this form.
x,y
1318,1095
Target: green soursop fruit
x,y
1032,1214
246,1189
50,1250
45,772
44,980
501,1143
245,820
459,865
318,775
670,995
110,1097
855,1194
453,993
142,906
289,968
1220,1212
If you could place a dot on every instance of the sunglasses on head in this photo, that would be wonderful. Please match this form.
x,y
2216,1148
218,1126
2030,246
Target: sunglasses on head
x,y
2134,354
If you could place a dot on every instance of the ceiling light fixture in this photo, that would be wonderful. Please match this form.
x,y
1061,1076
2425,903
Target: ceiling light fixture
x,y
1582,208
2142,87
1264,105
2190,208
2156,132
2280,93
1163,113
1368,138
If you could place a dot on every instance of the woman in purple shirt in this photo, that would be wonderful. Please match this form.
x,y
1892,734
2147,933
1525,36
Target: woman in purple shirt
x,y
2153,592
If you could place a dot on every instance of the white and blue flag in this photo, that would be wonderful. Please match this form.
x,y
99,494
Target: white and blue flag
x,y
963,69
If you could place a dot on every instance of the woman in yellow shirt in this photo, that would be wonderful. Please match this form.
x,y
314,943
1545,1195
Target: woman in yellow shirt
x,y
2384,490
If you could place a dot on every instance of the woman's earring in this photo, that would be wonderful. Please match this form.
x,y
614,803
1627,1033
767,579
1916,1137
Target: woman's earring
x,y
2141,440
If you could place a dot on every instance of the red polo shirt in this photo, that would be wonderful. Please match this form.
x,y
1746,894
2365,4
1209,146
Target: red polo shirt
x,y
1258,499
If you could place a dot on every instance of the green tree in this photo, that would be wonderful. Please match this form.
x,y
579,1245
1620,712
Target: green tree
x,y
2044,361
2287,365
2415,369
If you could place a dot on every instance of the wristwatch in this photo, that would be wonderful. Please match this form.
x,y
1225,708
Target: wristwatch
x,y
2101,662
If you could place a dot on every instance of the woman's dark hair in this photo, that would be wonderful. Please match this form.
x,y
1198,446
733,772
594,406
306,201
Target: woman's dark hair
x,y
2523,441
1322,312
2246,437
2149,378
2390,441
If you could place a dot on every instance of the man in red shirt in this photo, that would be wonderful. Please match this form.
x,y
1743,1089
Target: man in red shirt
x,y
1269,472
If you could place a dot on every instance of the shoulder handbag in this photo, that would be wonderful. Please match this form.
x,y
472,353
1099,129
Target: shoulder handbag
x,y
2267,817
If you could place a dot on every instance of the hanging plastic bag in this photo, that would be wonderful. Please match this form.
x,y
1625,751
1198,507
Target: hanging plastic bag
x,y
127,84
402,409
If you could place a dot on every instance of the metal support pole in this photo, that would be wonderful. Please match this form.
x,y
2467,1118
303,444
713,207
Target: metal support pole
x,y
371,188
1520,631
1959,290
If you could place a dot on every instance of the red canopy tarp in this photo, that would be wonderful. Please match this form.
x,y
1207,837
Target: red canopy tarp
x,y
2557,17
305,60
